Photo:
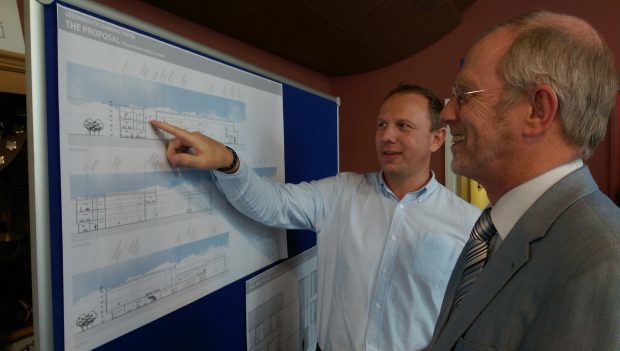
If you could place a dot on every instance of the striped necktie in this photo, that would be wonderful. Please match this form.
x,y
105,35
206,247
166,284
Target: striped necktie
x,y
477,248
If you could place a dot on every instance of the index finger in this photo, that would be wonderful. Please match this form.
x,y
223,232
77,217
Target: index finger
x,y
174,130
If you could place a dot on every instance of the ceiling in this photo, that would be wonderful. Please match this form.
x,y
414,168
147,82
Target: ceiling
x,y
334,37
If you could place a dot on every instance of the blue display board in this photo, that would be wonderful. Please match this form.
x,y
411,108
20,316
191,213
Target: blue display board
x,y
216,321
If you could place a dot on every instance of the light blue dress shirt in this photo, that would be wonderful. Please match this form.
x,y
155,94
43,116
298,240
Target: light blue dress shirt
x,y
383,263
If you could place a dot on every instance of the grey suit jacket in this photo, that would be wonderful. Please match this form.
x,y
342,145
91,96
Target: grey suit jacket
x,y
553,284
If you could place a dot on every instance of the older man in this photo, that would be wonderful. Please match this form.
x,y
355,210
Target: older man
x,y
541,270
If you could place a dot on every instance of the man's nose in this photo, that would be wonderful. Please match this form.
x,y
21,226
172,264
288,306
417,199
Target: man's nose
x,y
449,112
388,134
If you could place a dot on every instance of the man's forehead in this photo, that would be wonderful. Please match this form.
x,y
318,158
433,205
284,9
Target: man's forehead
x,y
482,59
468,77
496,43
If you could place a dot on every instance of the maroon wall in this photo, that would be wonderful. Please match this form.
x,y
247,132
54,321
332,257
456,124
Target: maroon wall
x,y
436,68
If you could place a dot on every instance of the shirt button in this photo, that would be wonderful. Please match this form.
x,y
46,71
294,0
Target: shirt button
x,y
401,206
384,271
378,306
393,237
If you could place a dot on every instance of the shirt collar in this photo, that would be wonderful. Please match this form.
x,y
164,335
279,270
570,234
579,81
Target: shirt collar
x,y
421,194
510,207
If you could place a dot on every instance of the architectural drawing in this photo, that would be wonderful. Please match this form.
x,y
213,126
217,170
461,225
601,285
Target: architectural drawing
x,y
140,238
115,209
281,306
114,105
107,293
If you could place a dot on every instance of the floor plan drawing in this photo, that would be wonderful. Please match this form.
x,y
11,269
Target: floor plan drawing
x,y
140,238
281,306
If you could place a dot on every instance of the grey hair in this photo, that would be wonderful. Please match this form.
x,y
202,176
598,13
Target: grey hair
x,y
567,54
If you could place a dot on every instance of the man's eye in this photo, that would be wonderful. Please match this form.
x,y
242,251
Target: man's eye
x,y
403,125
381,125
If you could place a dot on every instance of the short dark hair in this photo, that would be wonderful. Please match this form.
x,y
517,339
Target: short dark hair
x,y
434,104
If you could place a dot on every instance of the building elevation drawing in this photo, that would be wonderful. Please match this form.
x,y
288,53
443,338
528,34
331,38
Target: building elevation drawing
x,y
141,239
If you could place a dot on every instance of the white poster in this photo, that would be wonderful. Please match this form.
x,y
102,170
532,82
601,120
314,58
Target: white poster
x,y
141,239
11,37
281,306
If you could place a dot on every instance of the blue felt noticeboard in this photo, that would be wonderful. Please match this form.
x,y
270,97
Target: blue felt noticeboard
x,y
216,321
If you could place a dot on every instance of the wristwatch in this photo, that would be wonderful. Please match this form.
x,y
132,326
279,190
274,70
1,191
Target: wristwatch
x,y
234,163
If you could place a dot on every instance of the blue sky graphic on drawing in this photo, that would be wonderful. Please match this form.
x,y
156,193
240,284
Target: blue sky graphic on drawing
x,y
87,84
102,184
83,185
116,274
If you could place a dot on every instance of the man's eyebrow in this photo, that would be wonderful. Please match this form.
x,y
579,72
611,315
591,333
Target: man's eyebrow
x,y
461,84
465,87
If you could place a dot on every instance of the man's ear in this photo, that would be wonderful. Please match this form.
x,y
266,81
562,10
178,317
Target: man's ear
x,y
544,109
438,138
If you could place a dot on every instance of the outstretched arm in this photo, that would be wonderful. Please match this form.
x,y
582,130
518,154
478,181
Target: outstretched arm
x,y
292,206
193,149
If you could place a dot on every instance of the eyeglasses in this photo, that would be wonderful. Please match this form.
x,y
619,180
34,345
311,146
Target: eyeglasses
x,y
461,97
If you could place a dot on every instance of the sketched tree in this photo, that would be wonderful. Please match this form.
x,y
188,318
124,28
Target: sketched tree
x,y
85,320
93,126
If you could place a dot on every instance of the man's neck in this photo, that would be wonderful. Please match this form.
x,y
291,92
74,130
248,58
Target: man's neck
x,y
498,186
401,187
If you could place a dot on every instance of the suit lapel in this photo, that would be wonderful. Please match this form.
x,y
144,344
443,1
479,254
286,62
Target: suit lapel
x,y
510,257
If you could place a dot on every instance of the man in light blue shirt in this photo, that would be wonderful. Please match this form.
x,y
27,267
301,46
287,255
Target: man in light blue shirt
x,y
387,241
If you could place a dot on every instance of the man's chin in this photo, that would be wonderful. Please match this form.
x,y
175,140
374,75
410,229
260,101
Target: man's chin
x,y
391,172
461,168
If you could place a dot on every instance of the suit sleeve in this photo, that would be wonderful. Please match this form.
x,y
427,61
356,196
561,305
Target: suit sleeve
x,y
584,314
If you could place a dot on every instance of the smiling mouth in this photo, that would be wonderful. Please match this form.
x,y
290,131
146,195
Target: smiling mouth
x,y
457,138
389,155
